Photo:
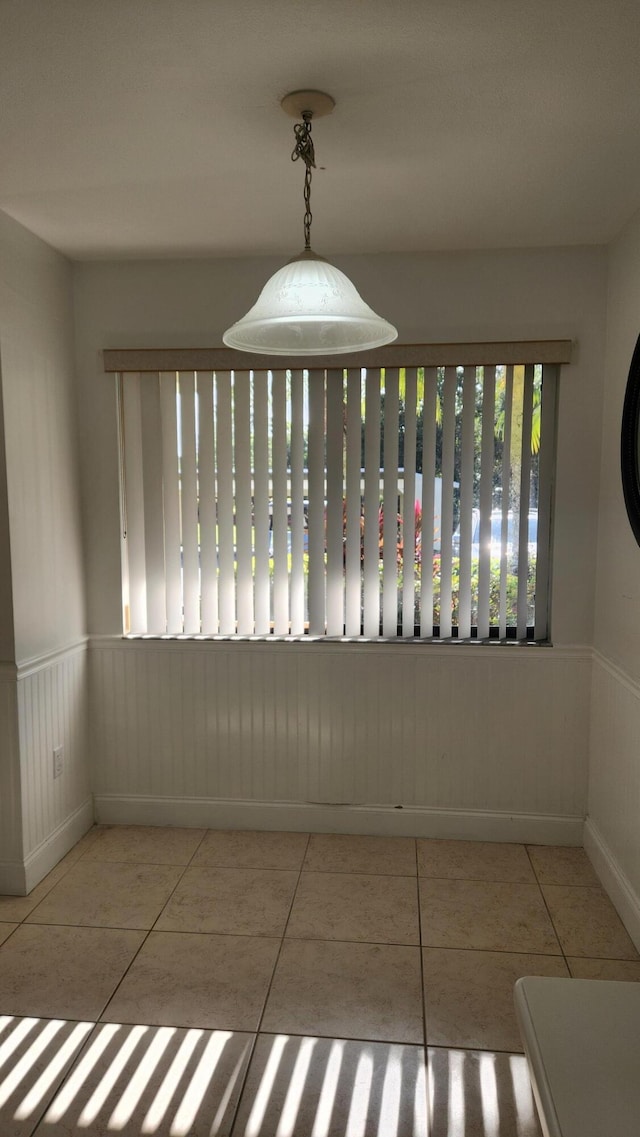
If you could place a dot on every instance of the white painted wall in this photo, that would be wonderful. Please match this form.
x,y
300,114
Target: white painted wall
x,y
617,612
223,737
42,607
36,345
614,791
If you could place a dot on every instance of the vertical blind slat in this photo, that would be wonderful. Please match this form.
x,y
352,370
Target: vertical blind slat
x,y
124,555
189,505
448,467
279,505
353,534
372,505
297,504
242,462
430,538
486,498
409,503
316,504
466,501
171,492
262,602
226,576
335,495
207,506
390,505
525,485
134,541
151,424
506,497
545,479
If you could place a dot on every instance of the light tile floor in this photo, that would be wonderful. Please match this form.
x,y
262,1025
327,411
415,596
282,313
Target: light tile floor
x,y
188,983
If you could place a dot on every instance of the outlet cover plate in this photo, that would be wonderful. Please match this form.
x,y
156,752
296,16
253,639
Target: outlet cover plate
x,y
58,761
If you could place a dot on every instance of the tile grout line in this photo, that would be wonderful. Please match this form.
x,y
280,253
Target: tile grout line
x,y
548,911
256,1033
391,1042
317,939
284,932
425,1040
266,1033
420,948
146,937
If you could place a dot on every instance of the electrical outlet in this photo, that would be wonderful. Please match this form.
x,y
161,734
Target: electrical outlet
x,y
58,761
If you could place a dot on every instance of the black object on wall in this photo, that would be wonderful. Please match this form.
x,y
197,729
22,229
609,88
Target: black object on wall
x,y
630,443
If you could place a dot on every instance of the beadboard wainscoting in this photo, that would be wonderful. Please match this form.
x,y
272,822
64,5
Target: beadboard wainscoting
x,y
11,866
52,699
468,741
612,837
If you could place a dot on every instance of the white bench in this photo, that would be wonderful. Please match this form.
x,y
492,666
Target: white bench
x,y
582,1042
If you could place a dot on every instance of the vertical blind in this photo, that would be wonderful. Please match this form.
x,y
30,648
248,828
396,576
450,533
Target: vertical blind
x,y
358,501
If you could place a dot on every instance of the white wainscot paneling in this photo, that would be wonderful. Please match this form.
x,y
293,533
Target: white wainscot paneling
x,y
11,867
52,712
468,741
612,831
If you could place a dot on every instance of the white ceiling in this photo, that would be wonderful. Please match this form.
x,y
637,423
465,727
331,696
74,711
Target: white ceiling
x,y
153,127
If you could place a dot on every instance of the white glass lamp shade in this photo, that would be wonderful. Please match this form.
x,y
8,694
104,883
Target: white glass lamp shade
x,y
308,307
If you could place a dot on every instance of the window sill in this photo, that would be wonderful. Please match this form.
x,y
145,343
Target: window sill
x,y
340,646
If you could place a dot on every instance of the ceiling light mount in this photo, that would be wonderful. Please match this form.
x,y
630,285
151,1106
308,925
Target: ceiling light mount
x,y
315,104
308,307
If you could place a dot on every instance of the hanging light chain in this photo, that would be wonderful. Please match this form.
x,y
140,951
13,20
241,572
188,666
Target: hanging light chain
x,y
304,149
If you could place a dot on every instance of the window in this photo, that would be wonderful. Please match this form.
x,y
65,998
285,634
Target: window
x,y
368,500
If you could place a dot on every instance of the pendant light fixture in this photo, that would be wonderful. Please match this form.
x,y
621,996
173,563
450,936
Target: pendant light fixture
x,y
308,307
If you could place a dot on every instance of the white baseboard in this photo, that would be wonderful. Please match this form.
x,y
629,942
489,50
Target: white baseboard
x,y
53,849
12,878
614,881
211,813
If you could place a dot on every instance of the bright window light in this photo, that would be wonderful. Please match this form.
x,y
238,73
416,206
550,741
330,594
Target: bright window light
x,y
489,1095
110,1077
388,1123
360,1094
297,1081
267,1082
75,1082
161,1102
51,1072
139,1080
188,1110
17,1036
322,1123
456,1120
29,1059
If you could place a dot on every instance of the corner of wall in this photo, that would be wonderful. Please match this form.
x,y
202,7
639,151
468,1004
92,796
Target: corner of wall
x,y
44,691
